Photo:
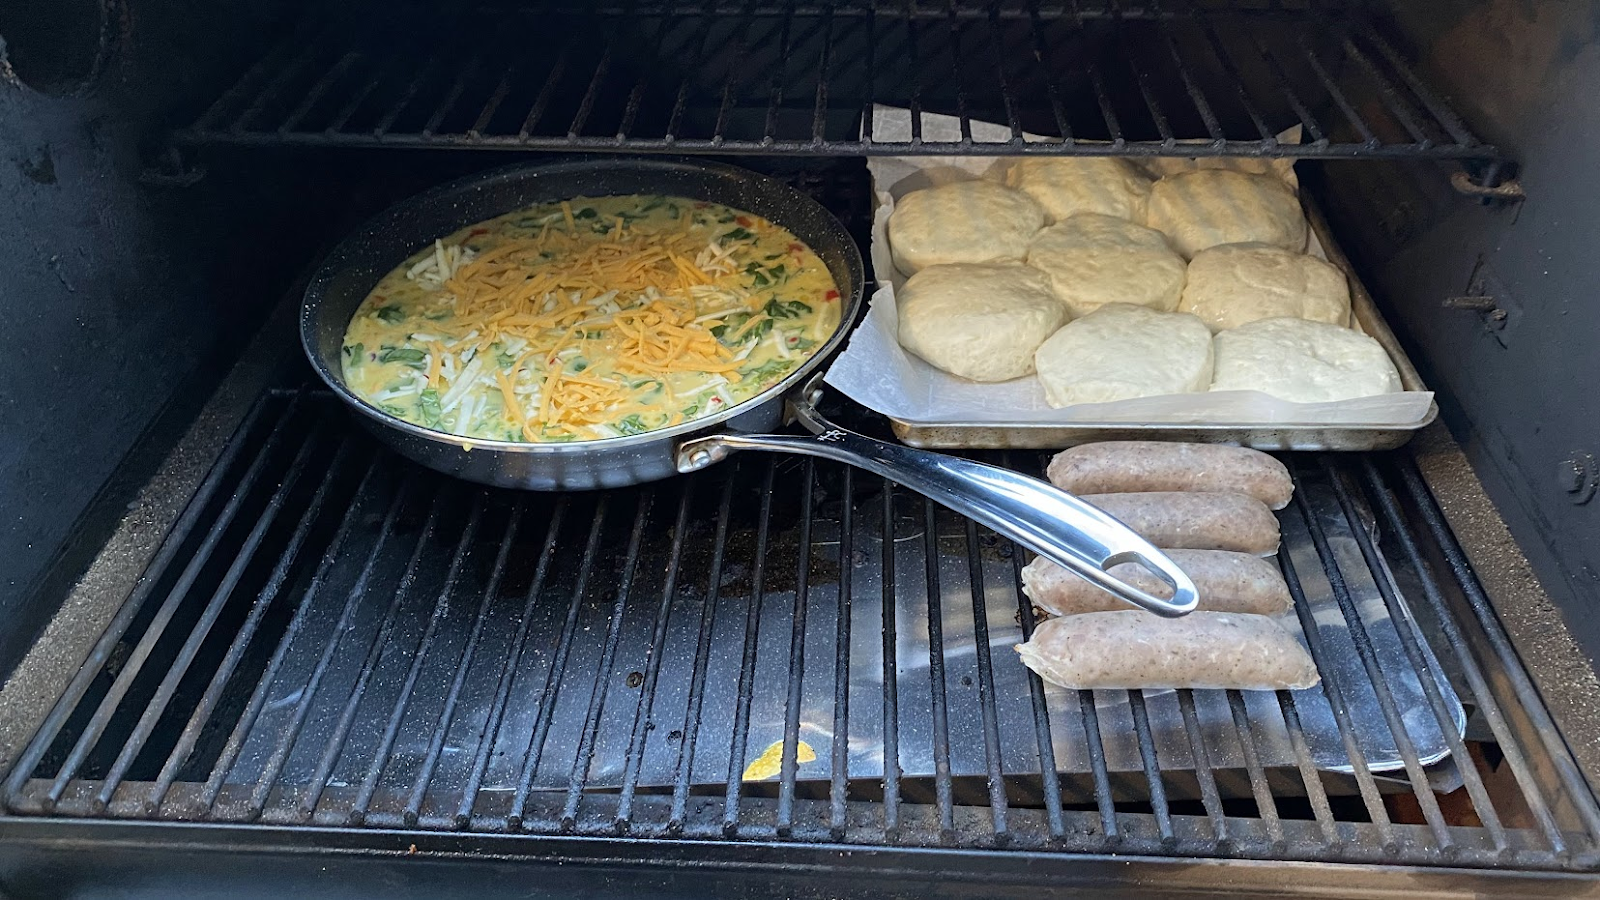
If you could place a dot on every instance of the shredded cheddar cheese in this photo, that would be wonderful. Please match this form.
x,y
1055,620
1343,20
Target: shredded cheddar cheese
x,y
589,319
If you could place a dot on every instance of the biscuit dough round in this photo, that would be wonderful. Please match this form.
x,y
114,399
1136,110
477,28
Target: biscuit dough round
x,y
1234,284
978,321
1069,186
962,222
1208,207
1121,351
1303,361
1094,259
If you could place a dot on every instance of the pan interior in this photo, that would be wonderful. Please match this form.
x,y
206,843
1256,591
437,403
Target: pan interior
x,y
351,271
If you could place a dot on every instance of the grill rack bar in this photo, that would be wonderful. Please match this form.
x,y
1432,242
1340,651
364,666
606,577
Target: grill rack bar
x,y
1051,787
839,764
986,691
938,687
691,720
687,77
789,759
739,750
891,715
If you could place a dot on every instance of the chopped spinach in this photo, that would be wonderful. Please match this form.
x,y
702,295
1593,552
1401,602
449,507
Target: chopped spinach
x,y
559,437
504,359
633,424
691,410
588,212
769,371
578,364
398,412
428,406
763,277
786,309
409,356
390,314
732,324
357,352
739,234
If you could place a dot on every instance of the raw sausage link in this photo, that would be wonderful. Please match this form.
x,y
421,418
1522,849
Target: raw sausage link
x,y
1114,467
1183,521
1135,649
1227,582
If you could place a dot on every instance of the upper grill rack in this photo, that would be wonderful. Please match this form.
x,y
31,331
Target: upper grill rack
x,y
1189,79
333,637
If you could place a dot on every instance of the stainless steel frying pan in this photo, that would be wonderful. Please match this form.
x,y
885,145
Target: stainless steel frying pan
x,y
1051,522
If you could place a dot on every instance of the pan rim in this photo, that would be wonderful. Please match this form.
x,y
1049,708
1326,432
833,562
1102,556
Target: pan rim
x,y
339,258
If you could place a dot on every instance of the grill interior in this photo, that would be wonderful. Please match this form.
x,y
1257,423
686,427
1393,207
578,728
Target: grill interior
x,y
758,78
332,637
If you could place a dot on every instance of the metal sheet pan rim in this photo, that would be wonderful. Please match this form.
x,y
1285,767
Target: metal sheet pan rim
x,y
1286,427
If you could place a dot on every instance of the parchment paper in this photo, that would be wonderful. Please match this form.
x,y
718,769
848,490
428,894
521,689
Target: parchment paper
x,y
875,371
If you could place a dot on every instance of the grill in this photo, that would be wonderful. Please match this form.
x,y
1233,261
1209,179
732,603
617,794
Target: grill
x,y
336,655
764,78
333,637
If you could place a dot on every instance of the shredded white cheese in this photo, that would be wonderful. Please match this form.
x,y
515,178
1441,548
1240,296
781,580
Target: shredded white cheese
x,y
779,344
462,386
431,272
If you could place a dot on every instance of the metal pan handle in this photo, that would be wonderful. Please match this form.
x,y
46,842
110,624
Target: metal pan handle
x,y
1053,523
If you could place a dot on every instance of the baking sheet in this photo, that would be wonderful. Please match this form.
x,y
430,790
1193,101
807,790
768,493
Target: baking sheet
x,y
877,372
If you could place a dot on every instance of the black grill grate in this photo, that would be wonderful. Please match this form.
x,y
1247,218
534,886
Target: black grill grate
x,y
788,78
333,637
